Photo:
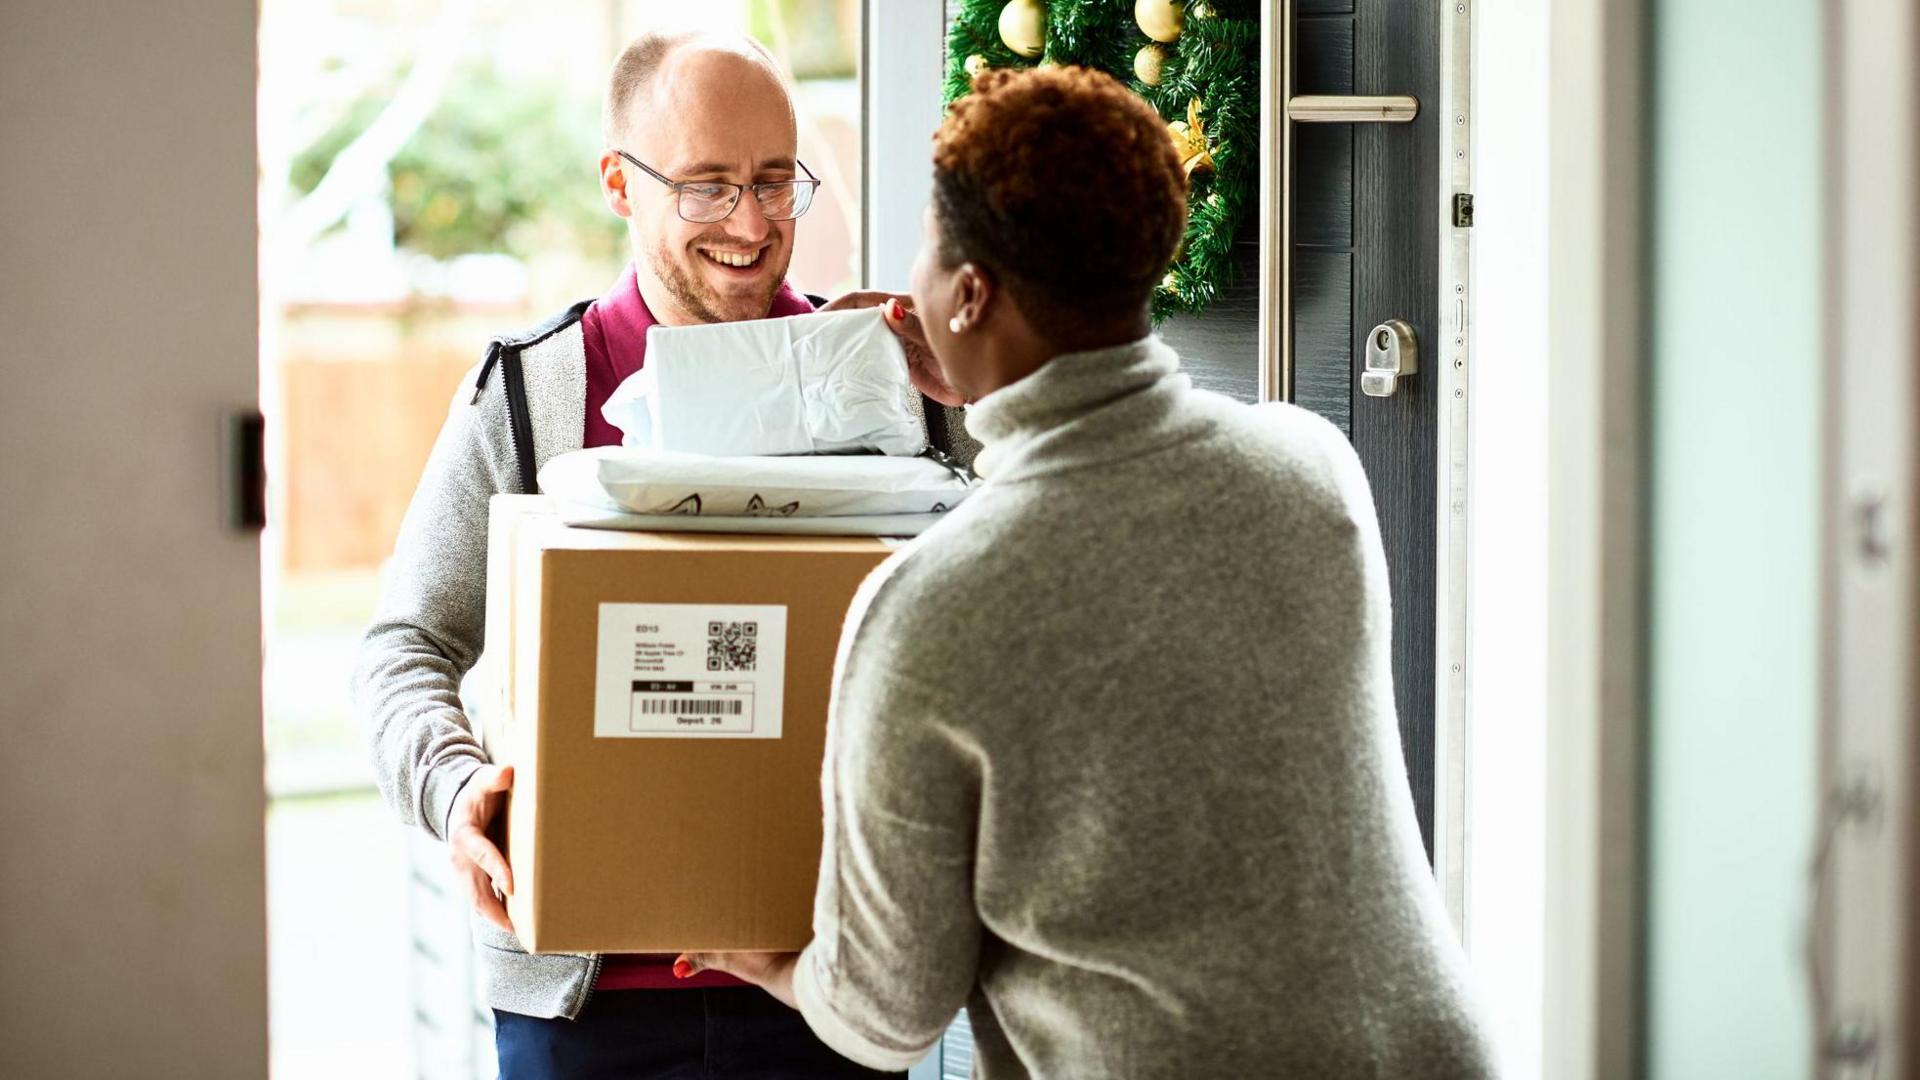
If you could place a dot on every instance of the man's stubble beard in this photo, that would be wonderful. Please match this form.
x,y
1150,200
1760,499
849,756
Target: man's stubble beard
x,y
697,298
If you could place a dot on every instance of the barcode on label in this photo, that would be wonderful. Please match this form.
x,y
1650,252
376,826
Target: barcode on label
x,y
690,707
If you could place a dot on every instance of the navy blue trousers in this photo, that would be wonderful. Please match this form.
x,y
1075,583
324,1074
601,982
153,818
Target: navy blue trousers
x,y
737,1033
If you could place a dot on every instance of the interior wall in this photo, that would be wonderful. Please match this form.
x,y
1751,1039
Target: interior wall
x,y
1507,546
132,909
1733,636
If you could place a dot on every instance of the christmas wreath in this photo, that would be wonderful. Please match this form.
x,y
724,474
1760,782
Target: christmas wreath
x,y
1197,63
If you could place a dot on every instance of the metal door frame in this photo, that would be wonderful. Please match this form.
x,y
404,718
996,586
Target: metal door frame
x,y
1864,949
1279,109
903,64
1591,990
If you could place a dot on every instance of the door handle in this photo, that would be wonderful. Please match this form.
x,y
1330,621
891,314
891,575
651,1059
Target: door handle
x,y
1276,184
1353,108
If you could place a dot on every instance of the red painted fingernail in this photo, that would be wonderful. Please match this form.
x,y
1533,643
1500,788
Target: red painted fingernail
x,y
895,310
682,969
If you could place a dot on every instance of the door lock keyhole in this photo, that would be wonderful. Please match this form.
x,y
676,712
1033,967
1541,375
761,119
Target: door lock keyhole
x,y
1392,355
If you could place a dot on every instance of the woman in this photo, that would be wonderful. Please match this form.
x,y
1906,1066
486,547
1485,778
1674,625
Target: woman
x,y
1113,758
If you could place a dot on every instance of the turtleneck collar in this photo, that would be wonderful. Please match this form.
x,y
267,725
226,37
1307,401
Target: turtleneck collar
x,y
1064,389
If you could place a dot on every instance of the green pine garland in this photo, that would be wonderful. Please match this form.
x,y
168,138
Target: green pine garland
x,y
1216,59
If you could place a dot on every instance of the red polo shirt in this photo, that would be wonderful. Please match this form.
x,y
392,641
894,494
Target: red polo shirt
x,y
615,329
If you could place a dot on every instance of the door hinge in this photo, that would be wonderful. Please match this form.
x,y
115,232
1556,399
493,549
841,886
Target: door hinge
x,y
1853,1041
246,471
1462,210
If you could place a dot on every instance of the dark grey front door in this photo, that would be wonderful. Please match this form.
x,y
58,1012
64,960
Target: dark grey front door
x,y
1365,250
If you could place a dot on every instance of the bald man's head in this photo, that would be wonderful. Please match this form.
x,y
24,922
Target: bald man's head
x,y
644,59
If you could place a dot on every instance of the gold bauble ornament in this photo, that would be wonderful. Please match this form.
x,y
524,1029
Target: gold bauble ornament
x,y
1190,139
1169,283
1161,20
1204,11
1023,26
1150,64
1049,62
976,66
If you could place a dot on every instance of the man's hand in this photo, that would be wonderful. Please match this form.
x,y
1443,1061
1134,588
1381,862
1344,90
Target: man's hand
x,y
922,368
482,869
772,972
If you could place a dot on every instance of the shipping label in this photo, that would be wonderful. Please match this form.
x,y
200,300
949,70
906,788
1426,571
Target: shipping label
x,y
690,671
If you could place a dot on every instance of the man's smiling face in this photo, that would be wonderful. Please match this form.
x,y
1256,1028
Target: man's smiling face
x,y
712,113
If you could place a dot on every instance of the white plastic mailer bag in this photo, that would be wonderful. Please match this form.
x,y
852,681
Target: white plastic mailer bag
x,y
626,480
884,525
806,384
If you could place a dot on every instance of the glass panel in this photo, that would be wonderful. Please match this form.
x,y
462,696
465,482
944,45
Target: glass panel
x,y
1733,644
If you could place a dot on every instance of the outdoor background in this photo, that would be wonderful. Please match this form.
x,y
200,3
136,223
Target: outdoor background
x,y
428,178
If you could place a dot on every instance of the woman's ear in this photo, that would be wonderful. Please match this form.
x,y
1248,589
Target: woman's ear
x,y
974,294
613,184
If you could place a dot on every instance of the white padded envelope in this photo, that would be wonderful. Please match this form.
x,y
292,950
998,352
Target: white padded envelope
x,y
806,384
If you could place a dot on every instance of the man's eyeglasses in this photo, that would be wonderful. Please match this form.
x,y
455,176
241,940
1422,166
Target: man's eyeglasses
x,y
706,201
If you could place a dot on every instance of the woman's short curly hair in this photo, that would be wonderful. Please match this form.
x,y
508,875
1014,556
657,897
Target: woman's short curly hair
x,y
1064,181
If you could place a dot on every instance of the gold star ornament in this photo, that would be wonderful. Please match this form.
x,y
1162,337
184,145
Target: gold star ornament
x,y
1190,140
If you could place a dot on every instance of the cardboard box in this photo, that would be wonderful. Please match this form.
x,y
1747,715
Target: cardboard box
x,y
663,700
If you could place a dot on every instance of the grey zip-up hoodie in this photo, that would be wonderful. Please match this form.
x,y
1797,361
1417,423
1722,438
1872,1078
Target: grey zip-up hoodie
x,y
428,632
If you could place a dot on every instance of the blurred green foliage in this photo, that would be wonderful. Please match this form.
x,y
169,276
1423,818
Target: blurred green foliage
x,y
817,37
499,168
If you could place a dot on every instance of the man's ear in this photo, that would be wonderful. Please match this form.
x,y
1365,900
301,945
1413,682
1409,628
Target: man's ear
x,y
613,184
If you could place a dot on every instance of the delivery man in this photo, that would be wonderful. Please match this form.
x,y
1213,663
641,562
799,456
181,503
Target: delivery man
x,y
701,160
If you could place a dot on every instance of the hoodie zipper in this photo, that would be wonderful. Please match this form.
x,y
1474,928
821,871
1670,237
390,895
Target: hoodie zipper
x,y
519,422
486,369
593,980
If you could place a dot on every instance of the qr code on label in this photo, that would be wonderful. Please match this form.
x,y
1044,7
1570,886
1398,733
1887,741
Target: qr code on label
x,y
733,646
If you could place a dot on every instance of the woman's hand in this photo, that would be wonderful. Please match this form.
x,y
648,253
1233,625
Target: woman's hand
x,y
922,368
772,972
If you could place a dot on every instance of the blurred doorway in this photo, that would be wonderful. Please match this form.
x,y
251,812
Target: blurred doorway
x,y
428,180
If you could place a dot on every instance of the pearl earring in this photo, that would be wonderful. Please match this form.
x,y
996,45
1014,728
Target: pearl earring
x,y
954,324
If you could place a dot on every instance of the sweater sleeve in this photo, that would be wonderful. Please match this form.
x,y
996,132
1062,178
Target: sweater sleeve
x,y
896,933
428,628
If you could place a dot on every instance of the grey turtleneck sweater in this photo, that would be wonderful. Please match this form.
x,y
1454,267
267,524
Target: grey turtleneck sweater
x,y
1113,760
